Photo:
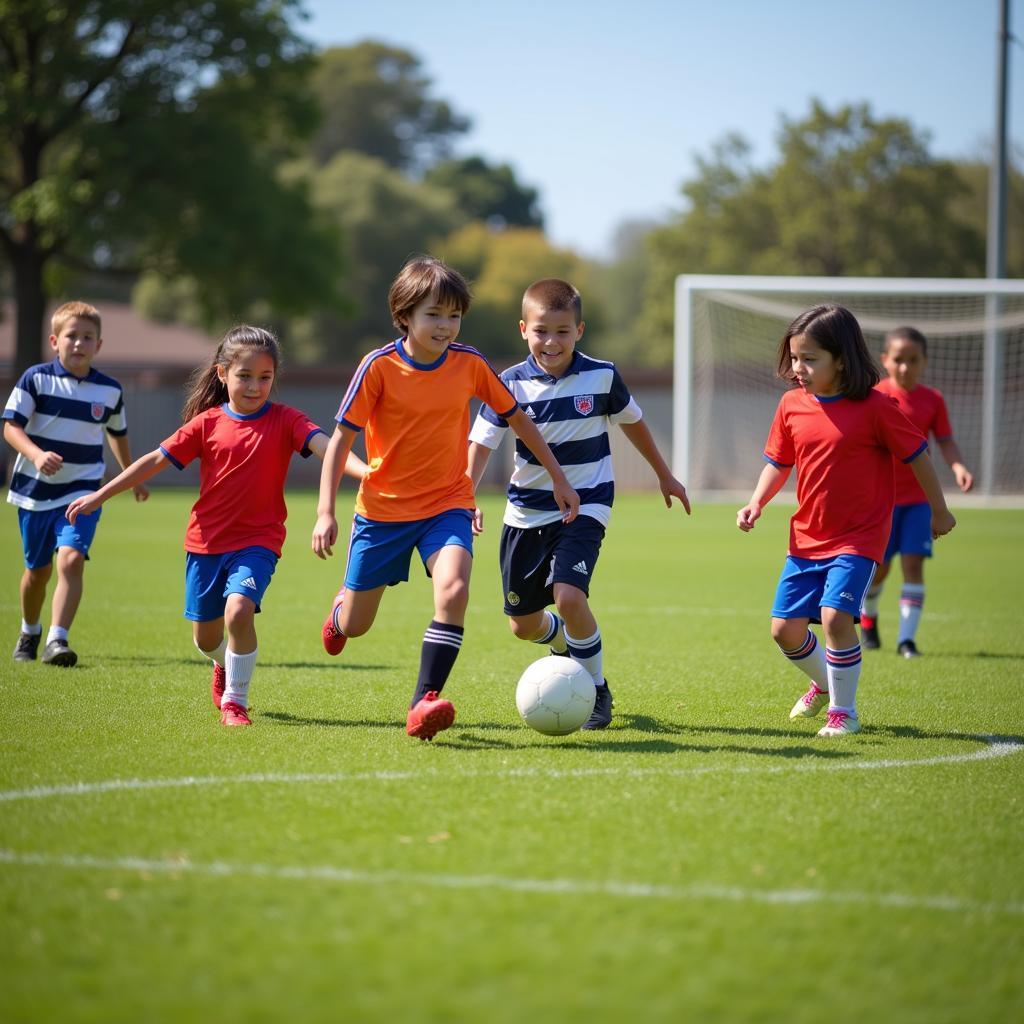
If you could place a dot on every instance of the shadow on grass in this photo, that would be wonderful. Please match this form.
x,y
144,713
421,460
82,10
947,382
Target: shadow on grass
x,y
152,659
983,655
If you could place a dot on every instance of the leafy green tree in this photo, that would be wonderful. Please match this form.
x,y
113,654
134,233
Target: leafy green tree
x,y
487,192
850,194
972,208
137,133
374,99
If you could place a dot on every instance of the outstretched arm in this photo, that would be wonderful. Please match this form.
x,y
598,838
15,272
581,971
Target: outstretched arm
x,y
565,497
325,531
639,436
138,472
951,453
768,485
942,518
123,453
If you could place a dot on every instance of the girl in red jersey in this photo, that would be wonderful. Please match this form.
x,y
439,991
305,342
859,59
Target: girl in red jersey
x,y
842,436
244,443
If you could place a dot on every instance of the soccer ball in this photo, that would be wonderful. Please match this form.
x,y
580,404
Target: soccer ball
x,y
555,695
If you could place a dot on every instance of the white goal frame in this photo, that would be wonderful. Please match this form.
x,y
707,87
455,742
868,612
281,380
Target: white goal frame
x,y
687,285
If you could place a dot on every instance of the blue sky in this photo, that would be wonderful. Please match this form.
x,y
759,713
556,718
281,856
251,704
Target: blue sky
x,y
602,105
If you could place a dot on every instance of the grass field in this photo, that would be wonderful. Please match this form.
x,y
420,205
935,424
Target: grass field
x,y
702,859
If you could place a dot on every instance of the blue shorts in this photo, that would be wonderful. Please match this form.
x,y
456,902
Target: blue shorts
x,y
43,532
807,585
210,578
379,553
534,560
911,531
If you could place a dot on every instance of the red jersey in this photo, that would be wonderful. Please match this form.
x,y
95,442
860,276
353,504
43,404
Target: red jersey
x,y
416,417
243,462
843,452
926,409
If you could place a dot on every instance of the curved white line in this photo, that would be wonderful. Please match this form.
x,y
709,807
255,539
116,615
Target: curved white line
x,y
996,746
547,886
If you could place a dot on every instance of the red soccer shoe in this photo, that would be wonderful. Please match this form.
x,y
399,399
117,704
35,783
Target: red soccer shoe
x,y
333,638
429,716
234,714
217,683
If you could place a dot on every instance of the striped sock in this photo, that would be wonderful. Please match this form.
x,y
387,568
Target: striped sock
x,y
587,651
554,634
810,659
441,644
911,605
843,676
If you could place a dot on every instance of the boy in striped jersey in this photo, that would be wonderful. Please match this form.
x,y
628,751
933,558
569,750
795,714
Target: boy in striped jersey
x,y
572,399
55,419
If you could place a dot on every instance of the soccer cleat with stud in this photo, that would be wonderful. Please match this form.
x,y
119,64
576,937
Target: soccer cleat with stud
x,y
601,716
429,716
57,652
333,638
218,680
234,714
908,649
810,703
869,633
840,723
27,646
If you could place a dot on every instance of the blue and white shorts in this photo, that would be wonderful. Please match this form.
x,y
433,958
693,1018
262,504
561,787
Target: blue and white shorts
x,y
209,579
809,584
911,531
44,532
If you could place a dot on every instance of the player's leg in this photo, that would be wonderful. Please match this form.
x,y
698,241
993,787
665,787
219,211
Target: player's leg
x,y
911,604
797,601
869,608
38,541
72,543
526,564
204,608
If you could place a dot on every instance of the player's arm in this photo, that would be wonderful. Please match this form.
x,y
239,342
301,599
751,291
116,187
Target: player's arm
x,y
565,497
924,471
639,436
477,459
951,453
768,485
138,472
325,531
123,453
354,466
46,462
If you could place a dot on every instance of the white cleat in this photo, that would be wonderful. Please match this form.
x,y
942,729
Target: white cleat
x,y
840,723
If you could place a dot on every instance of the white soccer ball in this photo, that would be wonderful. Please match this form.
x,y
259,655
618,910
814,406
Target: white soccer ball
x,y
555,695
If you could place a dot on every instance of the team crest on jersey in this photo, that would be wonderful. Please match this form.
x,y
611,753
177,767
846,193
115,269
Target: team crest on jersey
x,y
584,404
98,408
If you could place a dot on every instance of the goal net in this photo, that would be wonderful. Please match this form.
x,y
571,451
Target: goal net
x,y
727,335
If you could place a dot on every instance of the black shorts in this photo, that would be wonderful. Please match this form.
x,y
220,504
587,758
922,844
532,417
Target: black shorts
x,y
534,560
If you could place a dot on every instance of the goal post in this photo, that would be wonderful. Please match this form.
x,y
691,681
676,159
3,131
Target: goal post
x,y
727,332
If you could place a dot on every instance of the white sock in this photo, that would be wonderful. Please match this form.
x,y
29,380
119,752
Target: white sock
x,y
911,605
217,654
554,633
56,633
809,657
27,627
843,676
238,669
871,600
587,651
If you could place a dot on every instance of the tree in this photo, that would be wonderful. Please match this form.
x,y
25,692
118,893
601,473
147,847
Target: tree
x,y
850,194
973,207
135,133
487,192
373,99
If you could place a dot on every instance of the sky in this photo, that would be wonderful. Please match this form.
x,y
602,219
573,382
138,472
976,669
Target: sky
x,y
603,106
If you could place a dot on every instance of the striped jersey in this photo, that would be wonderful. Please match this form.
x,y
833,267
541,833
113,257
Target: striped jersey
x,y
573,413
68,415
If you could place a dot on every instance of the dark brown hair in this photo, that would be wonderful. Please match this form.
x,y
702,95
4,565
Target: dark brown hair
x,y
204,389
421,277
554,294
835,329
907,334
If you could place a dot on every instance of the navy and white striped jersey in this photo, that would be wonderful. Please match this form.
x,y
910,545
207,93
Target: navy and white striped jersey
x,y
68,415
572,413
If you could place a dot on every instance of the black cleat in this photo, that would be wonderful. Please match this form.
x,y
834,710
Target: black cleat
x,y
57,652
909,649
869,633
27,646
601,716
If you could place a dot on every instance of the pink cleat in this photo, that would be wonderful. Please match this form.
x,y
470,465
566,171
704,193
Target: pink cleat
x,y
234,714
810,703
429,716
333,638
217,683
840,723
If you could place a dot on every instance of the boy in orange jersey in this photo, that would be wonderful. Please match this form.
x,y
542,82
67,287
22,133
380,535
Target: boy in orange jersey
x,y
412,397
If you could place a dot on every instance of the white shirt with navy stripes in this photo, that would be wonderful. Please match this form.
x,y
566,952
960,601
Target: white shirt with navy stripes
x,y
68,415
573,413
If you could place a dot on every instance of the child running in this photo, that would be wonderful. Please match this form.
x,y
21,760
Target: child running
x,y
842,436
412,397
573,399
905,357
244,443
56,419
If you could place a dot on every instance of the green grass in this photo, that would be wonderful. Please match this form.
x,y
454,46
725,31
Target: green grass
x,y
702,859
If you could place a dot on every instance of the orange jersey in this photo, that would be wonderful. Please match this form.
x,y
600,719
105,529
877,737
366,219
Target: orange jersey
x,y
416,417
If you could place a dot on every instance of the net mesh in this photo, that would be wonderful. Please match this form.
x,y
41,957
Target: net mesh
x,y
735,338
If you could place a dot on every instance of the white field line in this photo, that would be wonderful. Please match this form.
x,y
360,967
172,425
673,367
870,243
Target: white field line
x,y
995,746
546,886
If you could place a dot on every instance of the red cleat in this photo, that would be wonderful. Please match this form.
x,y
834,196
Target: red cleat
x,y
217,683
429,716
333,638
234,714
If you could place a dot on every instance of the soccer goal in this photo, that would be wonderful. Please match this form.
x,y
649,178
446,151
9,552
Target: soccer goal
x,y
727,332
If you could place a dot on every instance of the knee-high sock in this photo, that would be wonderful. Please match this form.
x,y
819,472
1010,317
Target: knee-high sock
x,y
441,644
587,651
843,676
217,654
554,633
238,669
871,599
911,605
810,659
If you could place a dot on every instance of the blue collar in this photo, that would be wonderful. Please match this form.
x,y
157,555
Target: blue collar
x,y
827,398
228,411
400,349
536,371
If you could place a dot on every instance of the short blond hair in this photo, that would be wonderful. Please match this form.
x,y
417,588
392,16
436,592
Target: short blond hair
x,y
62,314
